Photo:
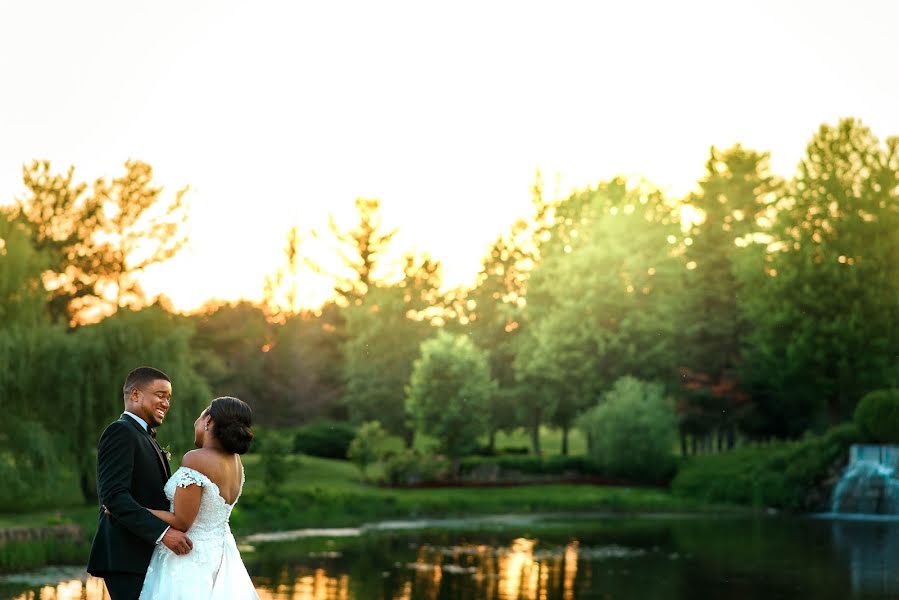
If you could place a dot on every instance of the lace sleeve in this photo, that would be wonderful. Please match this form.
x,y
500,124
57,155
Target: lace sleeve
x,y
187,477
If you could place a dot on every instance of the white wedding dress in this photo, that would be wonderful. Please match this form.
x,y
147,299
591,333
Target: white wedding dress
x,y
213,569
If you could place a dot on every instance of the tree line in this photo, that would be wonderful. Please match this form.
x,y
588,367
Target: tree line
x,y
762,307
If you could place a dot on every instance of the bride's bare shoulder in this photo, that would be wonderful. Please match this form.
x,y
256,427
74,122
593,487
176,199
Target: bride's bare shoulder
x,y
201,460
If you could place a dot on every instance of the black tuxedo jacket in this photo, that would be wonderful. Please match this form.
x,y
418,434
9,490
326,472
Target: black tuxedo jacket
x,y
131,472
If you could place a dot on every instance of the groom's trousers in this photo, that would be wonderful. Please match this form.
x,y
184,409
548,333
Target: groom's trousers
x,y
123,586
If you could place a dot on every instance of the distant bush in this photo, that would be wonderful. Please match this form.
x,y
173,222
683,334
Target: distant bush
x,y
409,467
633,430
785,475
369,445
877,417
324,438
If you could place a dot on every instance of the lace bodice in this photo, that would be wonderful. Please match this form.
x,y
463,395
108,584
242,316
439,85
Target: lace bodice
x,y
213,517
213,568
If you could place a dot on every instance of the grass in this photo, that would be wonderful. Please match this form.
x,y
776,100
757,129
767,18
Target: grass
x,y
327,493
319,492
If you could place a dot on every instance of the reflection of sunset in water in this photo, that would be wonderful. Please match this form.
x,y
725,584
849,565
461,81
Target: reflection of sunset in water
x,y
521,570
315,586
88,588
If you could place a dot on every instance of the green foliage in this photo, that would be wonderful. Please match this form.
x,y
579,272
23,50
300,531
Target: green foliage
x,y
824,303
731,198
324,438
323,493
31,466
21,556
633,429
229,340
781,474
410,467
368,445
22,296
448,391
98,242
303,366
603,302
877,417
382,343
494,308
273,449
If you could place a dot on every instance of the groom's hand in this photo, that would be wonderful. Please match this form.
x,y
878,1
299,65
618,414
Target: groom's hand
x,y
177,541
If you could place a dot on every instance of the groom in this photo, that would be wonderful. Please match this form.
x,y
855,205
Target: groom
x,y
131,472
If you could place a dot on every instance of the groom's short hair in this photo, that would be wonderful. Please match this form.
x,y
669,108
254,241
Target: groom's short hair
x,y
142,376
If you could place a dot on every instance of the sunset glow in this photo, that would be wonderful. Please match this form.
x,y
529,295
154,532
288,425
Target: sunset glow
x,y
278,115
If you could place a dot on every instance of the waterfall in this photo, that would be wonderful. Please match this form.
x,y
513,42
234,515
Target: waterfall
x,y
870,484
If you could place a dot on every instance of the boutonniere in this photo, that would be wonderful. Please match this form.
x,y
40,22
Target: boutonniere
x,y
167,451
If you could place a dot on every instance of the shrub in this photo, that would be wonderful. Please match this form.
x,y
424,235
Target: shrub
x,y
877,417
273,450
633,430
513,464
410,468
324,438
781,475
368,446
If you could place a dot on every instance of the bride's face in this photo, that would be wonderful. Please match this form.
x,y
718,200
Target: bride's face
x,y
200,429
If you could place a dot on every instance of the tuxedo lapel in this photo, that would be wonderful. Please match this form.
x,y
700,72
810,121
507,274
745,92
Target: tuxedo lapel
x,y
162,461
162,457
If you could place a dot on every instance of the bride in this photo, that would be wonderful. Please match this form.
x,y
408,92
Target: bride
x,y
202,493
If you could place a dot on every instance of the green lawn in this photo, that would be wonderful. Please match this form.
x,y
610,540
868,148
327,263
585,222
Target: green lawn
x,y
328,493
319,492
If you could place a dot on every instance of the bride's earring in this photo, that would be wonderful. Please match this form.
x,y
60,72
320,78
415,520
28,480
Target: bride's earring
x,y
206,427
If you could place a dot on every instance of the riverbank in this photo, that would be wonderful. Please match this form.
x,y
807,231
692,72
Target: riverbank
x,y
318,492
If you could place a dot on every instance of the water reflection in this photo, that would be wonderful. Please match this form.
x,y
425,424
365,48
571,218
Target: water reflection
x,y
614,558
871,551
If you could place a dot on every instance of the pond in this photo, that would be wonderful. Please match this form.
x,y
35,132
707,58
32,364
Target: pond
x,y
558,558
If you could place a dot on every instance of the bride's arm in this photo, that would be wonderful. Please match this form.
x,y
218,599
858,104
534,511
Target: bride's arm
x,y
187,505
187,501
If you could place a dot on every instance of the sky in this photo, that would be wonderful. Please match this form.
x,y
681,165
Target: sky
x,y
278,114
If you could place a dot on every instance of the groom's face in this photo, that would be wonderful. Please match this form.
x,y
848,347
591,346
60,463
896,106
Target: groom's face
x,y
153,401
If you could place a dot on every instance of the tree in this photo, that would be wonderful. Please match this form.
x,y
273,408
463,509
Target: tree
x,y
30,454
733,196
492,313
22,295
825,305
97,244
281,291
305,367
602,303
232,342
61,221
448,391
383,337
135,237
361,249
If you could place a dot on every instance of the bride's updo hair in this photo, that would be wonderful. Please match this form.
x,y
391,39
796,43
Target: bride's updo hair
x,y
233,419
